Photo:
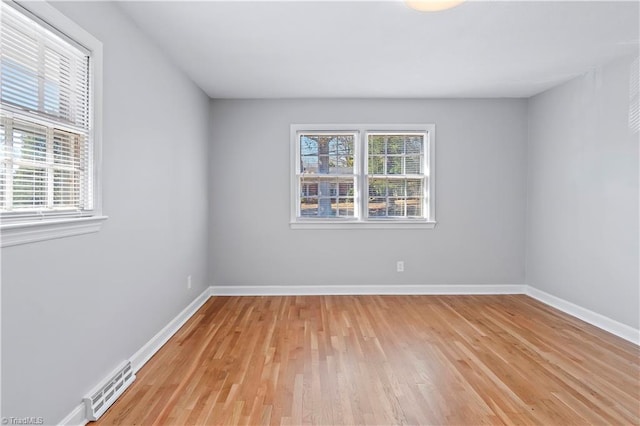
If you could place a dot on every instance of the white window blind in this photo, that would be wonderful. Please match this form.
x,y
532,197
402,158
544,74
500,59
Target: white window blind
x,y
45,119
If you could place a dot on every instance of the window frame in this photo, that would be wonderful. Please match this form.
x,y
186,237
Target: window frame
x,y
27,227
361,220
356,174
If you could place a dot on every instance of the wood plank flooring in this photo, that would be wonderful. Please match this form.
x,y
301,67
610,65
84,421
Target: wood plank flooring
x,y
385,360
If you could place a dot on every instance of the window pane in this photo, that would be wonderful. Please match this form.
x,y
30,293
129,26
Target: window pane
x,y
415,187
396,187
309,206
57,85
414,207
377,144
396,207
66,149
395,154
308,187
327,154
394,165
413,165
30,143
29,187
341,155
377,207
308,155
66,188
376,165
395,145
345,206
19,85
377,203
377,187
413,144
327,196
395,197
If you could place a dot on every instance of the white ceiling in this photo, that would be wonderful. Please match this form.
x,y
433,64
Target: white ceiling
x,y
382,49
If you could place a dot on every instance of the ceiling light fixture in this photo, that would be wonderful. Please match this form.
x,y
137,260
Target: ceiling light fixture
x,y
432,5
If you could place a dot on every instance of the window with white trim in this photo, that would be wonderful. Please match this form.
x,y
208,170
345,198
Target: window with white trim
x,y
375,176
49,135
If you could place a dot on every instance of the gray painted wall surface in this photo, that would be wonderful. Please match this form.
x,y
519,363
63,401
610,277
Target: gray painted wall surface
x,y
94,300
480,196
582,226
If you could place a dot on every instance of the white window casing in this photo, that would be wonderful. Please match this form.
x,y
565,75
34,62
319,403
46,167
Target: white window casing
x,y
379,176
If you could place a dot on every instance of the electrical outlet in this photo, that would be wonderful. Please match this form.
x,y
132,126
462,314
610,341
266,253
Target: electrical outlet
x,y
189,281
400,266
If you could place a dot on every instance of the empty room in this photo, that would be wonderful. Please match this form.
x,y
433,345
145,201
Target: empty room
x,y
320,212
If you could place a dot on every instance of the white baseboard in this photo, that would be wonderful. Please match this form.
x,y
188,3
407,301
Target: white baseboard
x,y
145,353
612,326
317,290
77,417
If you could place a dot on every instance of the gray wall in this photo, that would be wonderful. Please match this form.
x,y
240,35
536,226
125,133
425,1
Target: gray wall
x,y
582,226
480,197
91,301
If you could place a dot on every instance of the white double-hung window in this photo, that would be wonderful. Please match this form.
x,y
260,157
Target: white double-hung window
x,y
49,125
377,176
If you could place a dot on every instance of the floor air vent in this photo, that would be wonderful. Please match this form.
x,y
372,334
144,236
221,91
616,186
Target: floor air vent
x,y
102,397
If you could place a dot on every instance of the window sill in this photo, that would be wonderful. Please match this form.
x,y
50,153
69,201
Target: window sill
x,y
13,234
362,225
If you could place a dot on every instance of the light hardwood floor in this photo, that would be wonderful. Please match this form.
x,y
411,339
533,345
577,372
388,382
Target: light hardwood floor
x,y
385,360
